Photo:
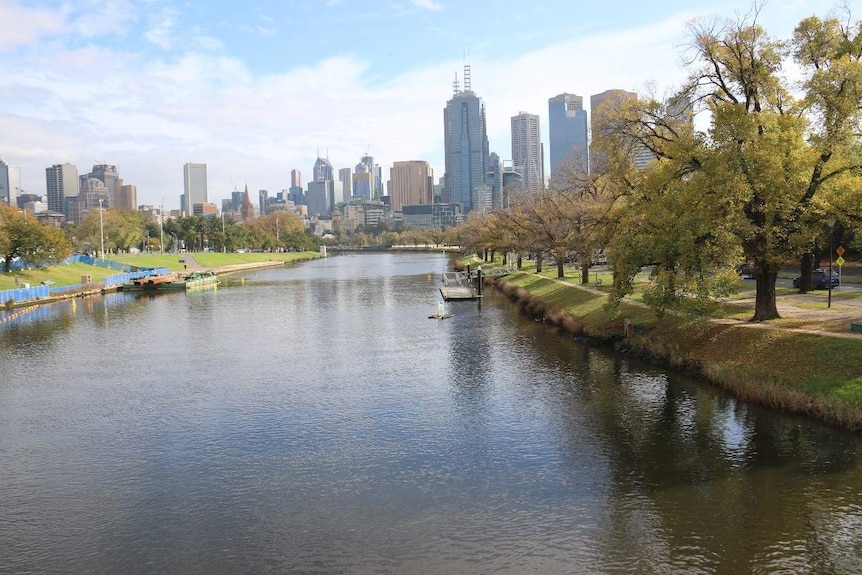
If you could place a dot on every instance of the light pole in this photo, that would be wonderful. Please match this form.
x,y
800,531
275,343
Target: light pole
x,y
831,222
101,229
162,228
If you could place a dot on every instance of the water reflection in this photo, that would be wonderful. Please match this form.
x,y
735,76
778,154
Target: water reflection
x,y
313,419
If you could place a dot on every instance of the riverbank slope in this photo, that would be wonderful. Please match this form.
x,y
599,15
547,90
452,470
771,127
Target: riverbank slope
x,y
803,364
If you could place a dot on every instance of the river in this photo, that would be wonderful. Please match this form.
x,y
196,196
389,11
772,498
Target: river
x,y
312,419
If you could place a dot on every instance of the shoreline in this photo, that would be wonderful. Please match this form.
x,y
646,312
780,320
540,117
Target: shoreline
x,y
763,364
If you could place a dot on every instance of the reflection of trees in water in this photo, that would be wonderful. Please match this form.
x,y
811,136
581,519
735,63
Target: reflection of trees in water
x,y
696,479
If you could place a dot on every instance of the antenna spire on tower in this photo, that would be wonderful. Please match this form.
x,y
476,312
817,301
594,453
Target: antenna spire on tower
x,y
467,84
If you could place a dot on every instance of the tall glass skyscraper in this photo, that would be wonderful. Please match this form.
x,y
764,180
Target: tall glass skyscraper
x,y
465,140
567,131
528,155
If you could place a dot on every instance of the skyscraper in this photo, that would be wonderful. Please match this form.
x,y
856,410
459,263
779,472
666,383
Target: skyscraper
x,y
127,197
412,184
604,103
465,141
345,176
195,186
363,178
108,175
323,171
567,132
5,186
61,181
295,194
527,154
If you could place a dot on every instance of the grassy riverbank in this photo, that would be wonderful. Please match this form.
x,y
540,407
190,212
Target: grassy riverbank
x,y
70,274
791,365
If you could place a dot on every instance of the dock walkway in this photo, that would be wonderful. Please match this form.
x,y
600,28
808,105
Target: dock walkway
x,y
456,286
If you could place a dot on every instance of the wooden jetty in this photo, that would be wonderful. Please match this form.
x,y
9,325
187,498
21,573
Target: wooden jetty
x,y
457,286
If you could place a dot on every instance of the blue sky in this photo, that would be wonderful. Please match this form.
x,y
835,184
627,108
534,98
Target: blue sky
x,y
255,89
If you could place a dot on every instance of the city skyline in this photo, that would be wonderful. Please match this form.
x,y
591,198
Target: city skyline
x,y
256,93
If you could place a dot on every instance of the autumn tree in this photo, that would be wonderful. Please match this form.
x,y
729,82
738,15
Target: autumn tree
x,y
23,236
767,172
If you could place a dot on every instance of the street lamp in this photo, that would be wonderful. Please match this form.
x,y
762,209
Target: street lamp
x,y
831,222
101,229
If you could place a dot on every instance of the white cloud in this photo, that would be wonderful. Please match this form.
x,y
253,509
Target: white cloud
x,y
161,25
150,115
20,26
427,4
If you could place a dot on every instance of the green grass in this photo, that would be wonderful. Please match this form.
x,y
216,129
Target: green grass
x,y
70,274
63,275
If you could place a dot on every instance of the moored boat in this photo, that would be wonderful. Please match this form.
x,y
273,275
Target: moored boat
x,y
172,282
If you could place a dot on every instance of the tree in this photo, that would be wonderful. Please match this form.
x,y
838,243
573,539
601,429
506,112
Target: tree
x,y
22,236
769,168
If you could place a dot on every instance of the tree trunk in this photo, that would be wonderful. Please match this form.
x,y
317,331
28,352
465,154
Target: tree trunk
x,y
560,272
806,279
520,262
765,305
538,263
585,271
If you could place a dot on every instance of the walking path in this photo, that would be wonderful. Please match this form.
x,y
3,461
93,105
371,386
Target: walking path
x,y
802,308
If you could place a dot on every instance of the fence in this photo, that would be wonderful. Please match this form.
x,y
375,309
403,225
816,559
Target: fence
x,y
44,291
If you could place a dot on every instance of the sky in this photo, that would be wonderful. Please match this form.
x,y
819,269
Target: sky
x,y
255,89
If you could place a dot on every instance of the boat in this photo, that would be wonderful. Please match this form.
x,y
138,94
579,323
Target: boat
x,y
172,282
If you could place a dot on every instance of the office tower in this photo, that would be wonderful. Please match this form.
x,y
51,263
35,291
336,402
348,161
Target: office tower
x,y
605,103
108,175
345,176
323,171
495,180
527,153
236,199
127,197
92,194
567,134
412,183
61,181
320,198
10,183
465,144
363,179
295,193
263,202
195,186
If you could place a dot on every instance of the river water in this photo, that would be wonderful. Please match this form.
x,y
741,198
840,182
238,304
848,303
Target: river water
x,y
312,419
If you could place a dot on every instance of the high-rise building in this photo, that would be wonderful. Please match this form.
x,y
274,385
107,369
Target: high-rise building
x,y
108,175
263,202
412,183
295,193
323,171
345,176
61,181
92,193
465,142
363,179
604,103
8,194
567,134
127,197
195,186
527,152
295,178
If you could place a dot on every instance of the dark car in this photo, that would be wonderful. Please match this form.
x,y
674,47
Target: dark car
x,y
746,269
819,279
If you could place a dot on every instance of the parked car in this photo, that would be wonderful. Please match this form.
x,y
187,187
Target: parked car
x,y
746,270
820,279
